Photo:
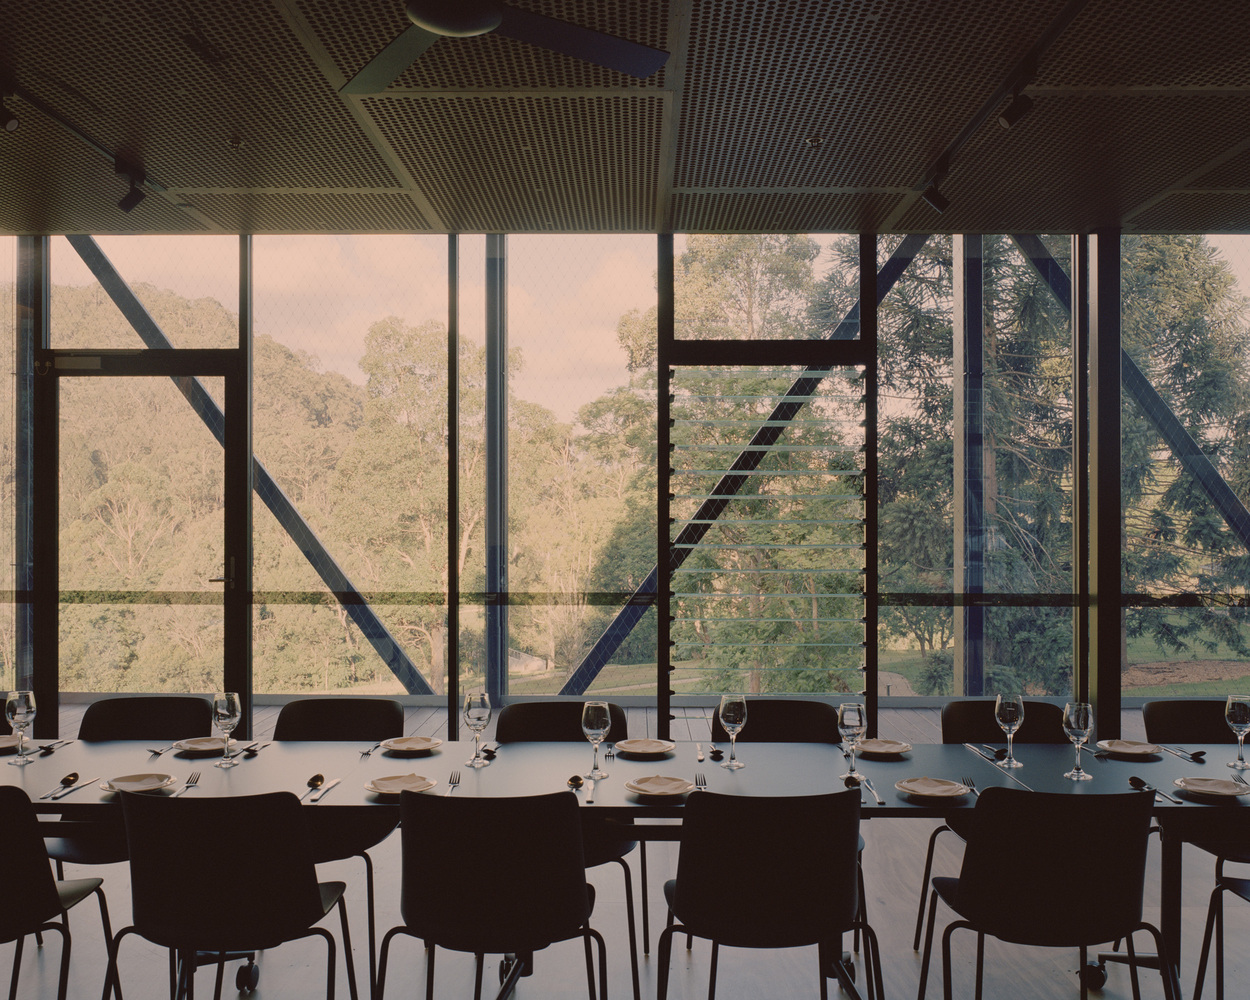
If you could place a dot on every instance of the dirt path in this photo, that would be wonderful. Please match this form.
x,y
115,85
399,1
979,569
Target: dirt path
x,y
1183,672
899,686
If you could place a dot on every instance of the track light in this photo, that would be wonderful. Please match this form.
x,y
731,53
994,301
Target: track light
x,y
1021,105
8,119
936,200
136,176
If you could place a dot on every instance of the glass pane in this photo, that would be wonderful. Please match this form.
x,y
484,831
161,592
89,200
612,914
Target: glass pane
x,y
188,284
1184,483
141,509
763,287
349,423
581,333
8,464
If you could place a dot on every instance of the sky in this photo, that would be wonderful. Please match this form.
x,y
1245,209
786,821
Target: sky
x,y
320,294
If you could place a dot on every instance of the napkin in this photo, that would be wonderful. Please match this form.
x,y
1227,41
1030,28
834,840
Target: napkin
x,y
395,783
882,746
138,782
931,787
411,744
1213,786
203,744
1128,746
658,784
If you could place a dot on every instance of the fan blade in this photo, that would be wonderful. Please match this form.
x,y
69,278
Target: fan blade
x,y
389,64
586,44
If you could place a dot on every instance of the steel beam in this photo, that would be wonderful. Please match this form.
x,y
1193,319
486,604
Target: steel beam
x,y
267,489
496,467
746,462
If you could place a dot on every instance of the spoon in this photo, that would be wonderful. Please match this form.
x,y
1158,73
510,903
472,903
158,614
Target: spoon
x,y
1194,756
1141,785
315,782
68,780
575,782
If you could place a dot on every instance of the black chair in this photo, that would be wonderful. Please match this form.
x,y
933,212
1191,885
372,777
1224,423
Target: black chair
x,y
1215,923
1188,720
509,879
334,837
33,899
132,717
793,880
972,721
604,841
784,720
195,888
1033,874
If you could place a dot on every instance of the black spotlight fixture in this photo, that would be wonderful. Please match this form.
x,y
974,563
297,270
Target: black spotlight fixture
x,y
8,120
136,176
1021,105
935,199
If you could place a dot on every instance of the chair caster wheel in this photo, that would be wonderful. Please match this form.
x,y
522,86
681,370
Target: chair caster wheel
x,y
247,978
505,967
1093,976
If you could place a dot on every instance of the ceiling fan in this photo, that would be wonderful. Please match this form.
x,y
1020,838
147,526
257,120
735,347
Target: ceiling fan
x,y
432,19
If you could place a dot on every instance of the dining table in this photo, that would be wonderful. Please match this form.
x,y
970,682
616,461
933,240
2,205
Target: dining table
x,y
782,769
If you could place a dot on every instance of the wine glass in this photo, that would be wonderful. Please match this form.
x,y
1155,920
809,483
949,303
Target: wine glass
x,y
477,718
226,714
733,716
1009,711
1236,714
596,721
852,722
1078,720
19,709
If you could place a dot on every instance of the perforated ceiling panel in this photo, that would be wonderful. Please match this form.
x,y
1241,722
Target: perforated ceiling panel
x,y
531,164
770,115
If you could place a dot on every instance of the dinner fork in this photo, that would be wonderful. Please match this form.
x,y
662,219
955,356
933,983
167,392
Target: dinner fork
x,y
700,783
1240,780
369,751
453,780
972,786
156,752
191,783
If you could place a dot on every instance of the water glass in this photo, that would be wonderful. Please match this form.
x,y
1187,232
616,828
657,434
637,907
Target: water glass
x,y
19,709
1078,721
1009,711
1237,715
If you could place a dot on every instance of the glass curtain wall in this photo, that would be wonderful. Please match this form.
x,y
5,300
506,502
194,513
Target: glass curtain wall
x,y
1185,479
8,462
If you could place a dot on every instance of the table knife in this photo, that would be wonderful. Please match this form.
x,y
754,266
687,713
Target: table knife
x,y
590,791
316,796
983,756
698,752
72,788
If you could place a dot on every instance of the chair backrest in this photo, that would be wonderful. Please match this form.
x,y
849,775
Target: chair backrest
x,y
147,717
1055,869
784,720
972,721
340,719
29,888
194,858
492,874
1187,720
553,721
768,872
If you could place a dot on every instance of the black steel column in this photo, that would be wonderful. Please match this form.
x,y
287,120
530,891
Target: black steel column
x,y
452,641
237,599
496,466
37,489
663,528
1105,518
969,334
1081,467
872,582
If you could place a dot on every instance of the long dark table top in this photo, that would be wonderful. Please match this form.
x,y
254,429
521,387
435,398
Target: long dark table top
x,y
533,768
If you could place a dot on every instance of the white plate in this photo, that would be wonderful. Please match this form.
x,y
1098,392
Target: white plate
x,y
1128,748
202,746
882,748
396,783
410,746
931,788
658,785
8,744
137,783
644,749
1211,788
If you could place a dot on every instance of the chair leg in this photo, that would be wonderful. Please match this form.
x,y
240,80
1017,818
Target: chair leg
x,y
946,961
711,976
928,944
1132,968
646,916
17,966
1217,904
221,976
924,886
380,985
1083,959
666,953
429,972
347,953
980,964
479,961
603,962
63,981
373,972
1171,986
590,964
629,920
863,900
